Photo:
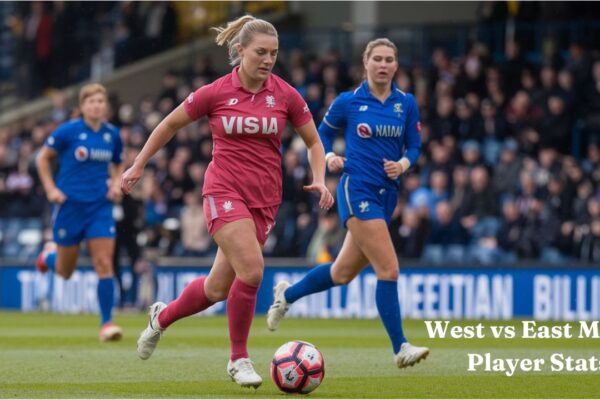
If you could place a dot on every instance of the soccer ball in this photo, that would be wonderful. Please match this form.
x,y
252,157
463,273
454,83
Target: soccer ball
x,y
297,367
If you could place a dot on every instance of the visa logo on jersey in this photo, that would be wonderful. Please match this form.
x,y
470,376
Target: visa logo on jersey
x,y
250,125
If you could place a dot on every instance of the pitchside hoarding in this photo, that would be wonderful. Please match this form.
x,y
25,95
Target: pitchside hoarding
x,y
567,294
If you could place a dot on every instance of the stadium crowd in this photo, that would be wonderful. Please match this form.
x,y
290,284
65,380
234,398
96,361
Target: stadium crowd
x,y
107,34
497,180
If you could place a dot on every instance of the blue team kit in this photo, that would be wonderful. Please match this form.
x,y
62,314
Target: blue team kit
x,y
373,130
84,156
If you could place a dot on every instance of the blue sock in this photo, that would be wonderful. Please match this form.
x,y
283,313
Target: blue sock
x,y
386,298
317,280
51,260
106,298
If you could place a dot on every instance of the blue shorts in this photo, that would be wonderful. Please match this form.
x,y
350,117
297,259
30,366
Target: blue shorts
x,y
364,200
74,221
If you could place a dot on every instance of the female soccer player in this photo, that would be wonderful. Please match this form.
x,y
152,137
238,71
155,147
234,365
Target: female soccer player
x,y
247,111
382,141
89,151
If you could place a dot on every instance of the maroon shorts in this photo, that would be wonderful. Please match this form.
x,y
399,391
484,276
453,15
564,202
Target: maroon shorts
x,y
222,210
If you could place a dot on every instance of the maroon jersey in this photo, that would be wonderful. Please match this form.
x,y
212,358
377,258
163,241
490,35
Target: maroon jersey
x,y
246,129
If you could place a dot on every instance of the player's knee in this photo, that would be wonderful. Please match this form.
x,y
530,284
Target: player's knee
x,y
103,265
388,274
63,273
342,277
250,269
217,293
251,277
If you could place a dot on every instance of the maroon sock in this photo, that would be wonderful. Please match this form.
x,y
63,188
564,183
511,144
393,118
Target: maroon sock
x,y
241,303
192,301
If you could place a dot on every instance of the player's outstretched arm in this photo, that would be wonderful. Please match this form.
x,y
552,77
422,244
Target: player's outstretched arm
x,y
316,159
167,128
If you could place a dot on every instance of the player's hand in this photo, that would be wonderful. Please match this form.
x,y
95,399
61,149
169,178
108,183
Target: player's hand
x,y
114,193
335,164
56,196
393,169
131,177
326,199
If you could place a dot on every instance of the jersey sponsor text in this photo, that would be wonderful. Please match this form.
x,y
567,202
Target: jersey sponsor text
x,y
250,125
388,130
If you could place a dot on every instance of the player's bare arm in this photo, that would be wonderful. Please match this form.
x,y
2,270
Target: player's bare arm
x,y
114,193
42,162
316,158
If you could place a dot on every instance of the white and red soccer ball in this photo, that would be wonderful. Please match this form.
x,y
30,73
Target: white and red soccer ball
x,y
297,367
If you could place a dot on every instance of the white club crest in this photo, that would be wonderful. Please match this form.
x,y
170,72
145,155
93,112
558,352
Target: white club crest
x,y
270,101
227,206
364,206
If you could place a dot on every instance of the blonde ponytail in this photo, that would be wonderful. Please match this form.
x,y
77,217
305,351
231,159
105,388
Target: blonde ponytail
x,y
242,31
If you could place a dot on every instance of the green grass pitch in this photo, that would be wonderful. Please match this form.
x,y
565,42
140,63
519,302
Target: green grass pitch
x,y
59,356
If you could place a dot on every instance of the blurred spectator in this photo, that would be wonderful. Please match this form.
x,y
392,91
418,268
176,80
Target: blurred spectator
x,y
513,67
492,129
460,187
589,248
510,232
447,239
327,240
591,102
409,229
444,122
471,154
129,223
466,124
295,202
480,210
555,127
557,199
579,63
540,233
195,239
438,191
506,173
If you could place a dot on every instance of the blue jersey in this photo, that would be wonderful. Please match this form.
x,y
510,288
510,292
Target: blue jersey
x,y
373,131
84,156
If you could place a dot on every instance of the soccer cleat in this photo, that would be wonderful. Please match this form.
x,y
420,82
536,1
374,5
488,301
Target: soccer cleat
x,y
151,335
40,262
110,332
279,307
409,355
242,372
